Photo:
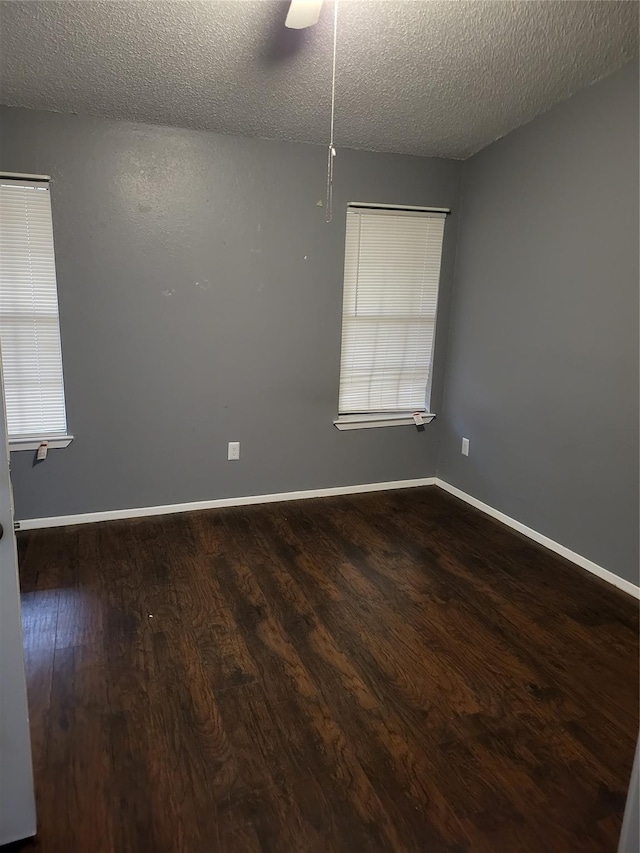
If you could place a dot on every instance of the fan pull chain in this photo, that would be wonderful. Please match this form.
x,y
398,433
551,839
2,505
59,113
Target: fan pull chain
x,y
332,149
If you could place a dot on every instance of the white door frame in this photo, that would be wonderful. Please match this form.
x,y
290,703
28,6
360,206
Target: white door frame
x,y
17,801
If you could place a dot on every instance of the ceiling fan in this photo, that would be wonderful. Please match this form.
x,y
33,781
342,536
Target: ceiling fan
x,y
303,13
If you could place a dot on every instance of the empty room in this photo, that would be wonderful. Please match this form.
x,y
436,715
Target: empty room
x,y
319,426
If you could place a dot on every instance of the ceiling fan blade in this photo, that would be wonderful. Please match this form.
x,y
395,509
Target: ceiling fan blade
x,y
303,13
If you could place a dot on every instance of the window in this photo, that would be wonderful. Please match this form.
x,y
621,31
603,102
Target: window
x,y
29,328
391,275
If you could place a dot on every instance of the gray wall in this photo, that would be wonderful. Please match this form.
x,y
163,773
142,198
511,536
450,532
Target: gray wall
x,y
542,366
200,300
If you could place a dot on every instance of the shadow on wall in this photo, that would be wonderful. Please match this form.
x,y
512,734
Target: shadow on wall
x,y
281,43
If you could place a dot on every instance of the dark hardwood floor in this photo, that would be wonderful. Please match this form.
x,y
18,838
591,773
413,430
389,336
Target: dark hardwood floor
x,y
387,672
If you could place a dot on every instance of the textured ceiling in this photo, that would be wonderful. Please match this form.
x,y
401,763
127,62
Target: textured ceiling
x,y
416,76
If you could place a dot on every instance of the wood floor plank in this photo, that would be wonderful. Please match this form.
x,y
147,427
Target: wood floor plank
x,y
382,672
138,812
320,740
378,731
191,765
75,809
260,750
584,666
470,678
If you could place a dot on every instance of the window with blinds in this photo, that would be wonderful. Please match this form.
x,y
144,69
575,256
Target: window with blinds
x,y
391,276
29,327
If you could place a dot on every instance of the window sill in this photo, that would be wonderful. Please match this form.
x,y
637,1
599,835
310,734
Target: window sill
x,y
54,442
372,421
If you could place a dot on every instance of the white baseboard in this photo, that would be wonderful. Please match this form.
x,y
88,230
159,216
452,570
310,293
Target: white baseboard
x,y
579,560
141,512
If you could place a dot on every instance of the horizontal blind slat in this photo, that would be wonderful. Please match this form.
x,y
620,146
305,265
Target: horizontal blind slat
x,y
29,325
391,278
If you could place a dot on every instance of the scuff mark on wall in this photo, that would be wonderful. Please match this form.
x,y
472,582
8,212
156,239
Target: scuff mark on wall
x,y
168,292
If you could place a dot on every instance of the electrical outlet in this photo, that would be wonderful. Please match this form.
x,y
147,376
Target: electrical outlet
x,y
465,447
233,451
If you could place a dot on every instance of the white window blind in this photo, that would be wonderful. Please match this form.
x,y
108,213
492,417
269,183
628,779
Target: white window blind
x,y
29,327
391,275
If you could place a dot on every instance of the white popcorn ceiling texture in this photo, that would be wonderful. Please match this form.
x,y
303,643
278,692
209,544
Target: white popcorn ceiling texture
x,y
414,76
